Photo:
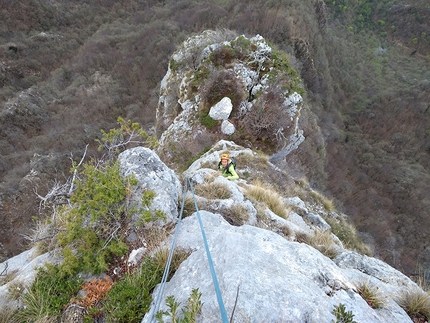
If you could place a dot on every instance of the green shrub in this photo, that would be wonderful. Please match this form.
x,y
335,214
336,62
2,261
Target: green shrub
x,y
342,316
128,133
284,70
130,298
199,77
208,122
189,312
50,292
97,214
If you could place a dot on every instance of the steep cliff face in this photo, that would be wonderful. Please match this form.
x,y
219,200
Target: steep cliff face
x,y
220,85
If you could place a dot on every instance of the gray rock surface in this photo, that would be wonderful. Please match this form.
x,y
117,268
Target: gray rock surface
x,y
275,280
153,175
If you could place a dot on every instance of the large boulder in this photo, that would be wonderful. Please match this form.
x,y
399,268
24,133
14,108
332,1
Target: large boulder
x,y
19,273
152,175
273,279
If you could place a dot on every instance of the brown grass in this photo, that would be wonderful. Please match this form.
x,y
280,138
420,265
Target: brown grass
x,y
323,241
212,191
415,302
371,294
263,193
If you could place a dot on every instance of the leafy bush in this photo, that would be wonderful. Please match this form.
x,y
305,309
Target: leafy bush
x,y
127,134
189,312
342,316
97,214
130,298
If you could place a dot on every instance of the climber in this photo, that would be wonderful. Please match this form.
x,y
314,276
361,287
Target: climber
x,y
227,165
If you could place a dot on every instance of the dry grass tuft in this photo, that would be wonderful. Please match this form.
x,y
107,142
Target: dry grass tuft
x,y
371,294
154,236
286,231
237,215
189,207
347,233
326,202
303,237
179,255
265,194
416,303
44,235
323,241
15,290
8,315
7,276
212,191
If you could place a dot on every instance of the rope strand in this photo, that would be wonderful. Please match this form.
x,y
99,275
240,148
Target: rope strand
x,y
169,260
211,266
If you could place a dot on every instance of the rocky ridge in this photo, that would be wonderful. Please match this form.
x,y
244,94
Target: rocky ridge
x,y
257,256
248,90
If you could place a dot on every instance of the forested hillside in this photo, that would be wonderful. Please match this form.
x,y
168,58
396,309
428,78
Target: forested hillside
x,y
69,69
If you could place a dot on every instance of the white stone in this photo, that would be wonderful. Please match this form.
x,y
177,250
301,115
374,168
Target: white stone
x,y
135,256
221,110
227,127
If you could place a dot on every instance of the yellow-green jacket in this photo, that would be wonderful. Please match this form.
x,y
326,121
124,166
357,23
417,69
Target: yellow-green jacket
x,y
228,171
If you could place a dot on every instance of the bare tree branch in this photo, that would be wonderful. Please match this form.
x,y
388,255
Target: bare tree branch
x,y
76,170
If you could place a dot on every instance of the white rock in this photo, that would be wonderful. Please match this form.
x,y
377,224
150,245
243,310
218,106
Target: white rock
x,y
227,127
221,110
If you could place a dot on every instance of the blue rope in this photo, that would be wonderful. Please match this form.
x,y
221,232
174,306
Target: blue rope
x,y
211,266
169,260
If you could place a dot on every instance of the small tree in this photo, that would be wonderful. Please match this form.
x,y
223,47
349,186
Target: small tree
x,y
128,134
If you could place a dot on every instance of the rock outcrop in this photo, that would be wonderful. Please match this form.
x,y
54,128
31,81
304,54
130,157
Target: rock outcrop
x,y
266,276
265,272
218,83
